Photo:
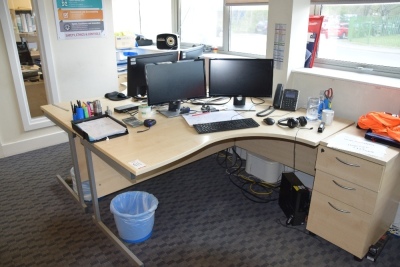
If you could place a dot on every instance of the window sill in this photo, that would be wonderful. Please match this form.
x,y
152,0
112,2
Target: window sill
x,y
351,76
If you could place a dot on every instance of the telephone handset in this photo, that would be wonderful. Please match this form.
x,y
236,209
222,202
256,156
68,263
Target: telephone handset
x,y
278,96
286,99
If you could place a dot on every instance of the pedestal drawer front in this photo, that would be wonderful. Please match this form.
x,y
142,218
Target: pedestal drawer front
x,y
353,169
339,223
342,190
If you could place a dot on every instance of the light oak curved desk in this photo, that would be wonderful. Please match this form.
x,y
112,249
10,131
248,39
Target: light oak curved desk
x,y
172,143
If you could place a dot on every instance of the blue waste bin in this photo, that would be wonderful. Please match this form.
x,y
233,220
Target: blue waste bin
x,y
134,215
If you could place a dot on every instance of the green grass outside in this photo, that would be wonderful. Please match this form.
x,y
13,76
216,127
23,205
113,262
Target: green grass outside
x,y
392,41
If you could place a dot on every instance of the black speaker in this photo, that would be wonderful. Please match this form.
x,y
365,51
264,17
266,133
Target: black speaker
x,y
292,122
294,199
168,41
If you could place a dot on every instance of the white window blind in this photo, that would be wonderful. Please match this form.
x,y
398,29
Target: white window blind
x,y
245,2
343,2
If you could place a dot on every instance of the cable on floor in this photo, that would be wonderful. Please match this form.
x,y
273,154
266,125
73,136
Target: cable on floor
x,y
251,187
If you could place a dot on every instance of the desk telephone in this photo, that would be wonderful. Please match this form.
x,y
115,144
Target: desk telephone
x,y
286,99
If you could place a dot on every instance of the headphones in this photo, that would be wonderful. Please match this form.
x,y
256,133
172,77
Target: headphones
x,y
292,122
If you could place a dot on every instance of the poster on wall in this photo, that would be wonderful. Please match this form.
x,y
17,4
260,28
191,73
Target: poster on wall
x,y
77,19
279,45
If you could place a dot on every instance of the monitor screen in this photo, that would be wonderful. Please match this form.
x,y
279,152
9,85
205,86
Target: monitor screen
x,y
24,54
135,68
240,78
191,53
171,83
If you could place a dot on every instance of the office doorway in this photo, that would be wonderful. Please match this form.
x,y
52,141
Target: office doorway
x,y
23,16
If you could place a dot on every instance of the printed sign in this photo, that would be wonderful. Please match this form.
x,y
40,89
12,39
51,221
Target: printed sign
x,y
79,18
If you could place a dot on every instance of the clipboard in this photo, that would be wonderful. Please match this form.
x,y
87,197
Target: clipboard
x,y
77,128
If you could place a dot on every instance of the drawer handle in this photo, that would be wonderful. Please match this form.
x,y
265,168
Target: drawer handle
x,y
349,164
344,211
342,186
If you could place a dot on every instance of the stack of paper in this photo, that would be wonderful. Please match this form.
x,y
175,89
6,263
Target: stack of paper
x,y
101,128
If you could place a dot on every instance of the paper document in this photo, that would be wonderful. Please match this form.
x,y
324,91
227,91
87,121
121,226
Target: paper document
x,y
211,117
358,145
101,128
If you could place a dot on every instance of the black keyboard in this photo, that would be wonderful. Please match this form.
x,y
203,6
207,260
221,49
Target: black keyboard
x,y
220,126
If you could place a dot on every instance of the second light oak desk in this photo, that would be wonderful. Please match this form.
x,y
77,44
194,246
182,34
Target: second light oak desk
x,y
172,143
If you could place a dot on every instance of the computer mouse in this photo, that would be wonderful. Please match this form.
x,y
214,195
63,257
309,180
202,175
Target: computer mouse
x,y
269,121
149,122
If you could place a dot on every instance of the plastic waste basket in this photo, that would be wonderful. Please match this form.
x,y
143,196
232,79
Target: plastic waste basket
x,y
85,186
134,215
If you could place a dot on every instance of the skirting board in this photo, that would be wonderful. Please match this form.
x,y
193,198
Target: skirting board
x,y
38,142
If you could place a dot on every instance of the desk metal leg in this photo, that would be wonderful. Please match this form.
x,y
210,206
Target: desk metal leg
x,y
96,210
79,198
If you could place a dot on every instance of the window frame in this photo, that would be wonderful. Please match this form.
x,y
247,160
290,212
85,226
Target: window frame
x,y
378,70
315,9
224,49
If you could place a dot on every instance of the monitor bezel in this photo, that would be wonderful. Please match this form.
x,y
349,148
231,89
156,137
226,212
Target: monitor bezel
x,y
136,72
215,92
173,102
25,57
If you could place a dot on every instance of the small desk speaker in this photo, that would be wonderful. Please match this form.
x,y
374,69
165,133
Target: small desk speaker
x,y
168,41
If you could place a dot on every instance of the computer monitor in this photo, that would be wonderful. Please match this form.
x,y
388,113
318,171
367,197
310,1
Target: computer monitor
x,y
135,68
171,83
241,78
191,53
24,54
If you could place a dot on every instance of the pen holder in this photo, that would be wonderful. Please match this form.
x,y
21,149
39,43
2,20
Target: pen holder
x,y
79,114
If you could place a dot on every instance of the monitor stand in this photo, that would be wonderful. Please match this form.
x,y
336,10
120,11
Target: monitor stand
x,y
239,104
174,109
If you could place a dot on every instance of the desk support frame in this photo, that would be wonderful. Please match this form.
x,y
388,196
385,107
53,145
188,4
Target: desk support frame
x,y
96,210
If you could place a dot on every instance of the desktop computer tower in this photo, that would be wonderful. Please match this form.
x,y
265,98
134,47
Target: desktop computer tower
x,y
294,199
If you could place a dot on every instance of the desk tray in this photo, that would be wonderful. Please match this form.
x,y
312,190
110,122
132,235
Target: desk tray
x,y
86,136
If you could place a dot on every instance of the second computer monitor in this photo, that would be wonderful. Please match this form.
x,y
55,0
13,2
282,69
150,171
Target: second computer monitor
x,y
174,82
240,78
135,67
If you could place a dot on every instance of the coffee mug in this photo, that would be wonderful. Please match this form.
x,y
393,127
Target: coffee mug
x,y
327,116
145,111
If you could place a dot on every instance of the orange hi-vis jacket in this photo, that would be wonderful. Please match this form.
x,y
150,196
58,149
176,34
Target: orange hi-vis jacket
x,y
381,123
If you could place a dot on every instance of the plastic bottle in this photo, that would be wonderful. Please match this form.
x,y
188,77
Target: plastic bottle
x,y
321,104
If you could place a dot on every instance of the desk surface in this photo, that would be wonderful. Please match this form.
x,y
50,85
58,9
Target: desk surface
x,y
172,139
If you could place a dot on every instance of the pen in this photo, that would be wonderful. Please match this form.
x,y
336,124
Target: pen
x,y
199,114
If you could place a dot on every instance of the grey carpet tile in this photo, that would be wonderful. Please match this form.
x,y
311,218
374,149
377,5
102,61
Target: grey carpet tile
x,y
202,220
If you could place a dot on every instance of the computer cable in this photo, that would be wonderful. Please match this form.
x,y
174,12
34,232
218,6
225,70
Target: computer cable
x,y
249,186
265,112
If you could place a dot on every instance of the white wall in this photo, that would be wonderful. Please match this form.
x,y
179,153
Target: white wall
x,y
85,68
354,94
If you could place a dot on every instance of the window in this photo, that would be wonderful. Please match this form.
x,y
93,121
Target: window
x,y
363,37
141,17
248,29
237,29
201,22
